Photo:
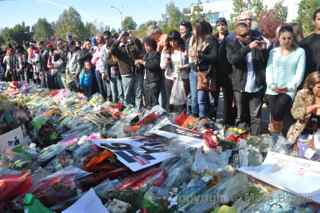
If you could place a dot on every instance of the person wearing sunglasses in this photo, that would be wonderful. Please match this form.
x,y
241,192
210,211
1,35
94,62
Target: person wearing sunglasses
x,y
248,59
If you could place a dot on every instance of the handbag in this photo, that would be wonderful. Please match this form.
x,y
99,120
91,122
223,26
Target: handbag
x,y
204,82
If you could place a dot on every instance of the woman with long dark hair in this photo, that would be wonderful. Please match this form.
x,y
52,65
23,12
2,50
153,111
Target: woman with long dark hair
x,y
284,74
203,49
174,62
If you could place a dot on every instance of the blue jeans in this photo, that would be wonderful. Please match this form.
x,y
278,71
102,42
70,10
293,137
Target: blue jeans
x,y
128,89
194,93
203,103
116,89
102,84
199,98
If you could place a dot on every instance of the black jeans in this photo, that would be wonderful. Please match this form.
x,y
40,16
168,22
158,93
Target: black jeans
x,y
249,111
229,111
279,106
151,93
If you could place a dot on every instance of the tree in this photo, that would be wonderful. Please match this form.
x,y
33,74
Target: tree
x,y
70,22
257,7
42,30
196,13
17,34
281,11
143,28
90,30
128,24
305,12
172,18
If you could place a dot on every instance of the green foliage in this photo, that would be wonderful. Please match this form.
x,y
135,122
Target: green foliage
x,y
90,30
196,13
172,18
128,24
42,30
17,34
142,30
305,12
281,11
70,22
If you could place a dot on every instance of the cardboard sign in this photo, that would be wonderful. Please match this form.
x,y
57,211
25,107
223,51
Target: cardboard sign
x,y
11,139
138,153
295,175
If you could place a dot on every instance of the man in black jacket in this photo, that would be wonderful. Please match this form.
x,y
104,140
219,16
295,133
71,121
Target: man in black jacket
x,y
248,59
311,45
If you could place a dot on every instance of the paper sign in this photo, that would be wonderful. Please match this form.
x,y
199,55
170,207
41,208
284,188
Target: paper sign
x,y
11,139
138,152
89,202
185,136
296,175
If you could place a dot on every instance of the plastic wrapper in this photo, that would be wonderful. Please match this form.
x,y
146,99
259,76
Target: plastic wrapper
x,y
109,172
154,176
278,202
118,206
50,152
211,162
282,145
13,185
58,187
194,188
156,200
107,186
93,161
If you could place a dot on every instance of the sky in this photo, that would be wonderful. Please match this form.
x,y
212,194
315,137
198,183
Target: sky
x,y
101,12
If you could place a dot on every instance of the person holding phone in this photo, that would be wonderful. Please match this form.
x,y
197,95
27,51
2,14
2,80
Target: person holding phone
x,y
248,60
306,108
284,74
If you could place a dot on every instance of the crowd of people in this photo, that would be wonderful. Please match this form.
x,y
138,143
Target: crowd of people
x,y
186,70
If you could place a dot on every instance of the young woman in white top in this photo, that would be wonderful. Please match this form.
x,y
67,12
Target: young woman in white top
x,y
174,61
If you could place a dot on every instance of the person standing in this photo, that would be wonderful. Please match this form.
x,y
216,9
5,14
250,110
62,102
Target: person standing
x,y
10,61
152,72
284,74
224,71
99,59
126,66
21,65
202,53
73,67
311,45
174,62
248,59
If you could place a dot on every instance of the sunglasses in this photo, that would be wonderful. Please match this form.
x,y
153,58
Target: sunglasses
x,y
245,19
244,35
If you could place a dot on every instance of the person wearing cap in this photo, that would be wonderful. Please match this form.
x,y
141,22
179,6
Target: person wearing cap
x,y
246,17
248,58
224,71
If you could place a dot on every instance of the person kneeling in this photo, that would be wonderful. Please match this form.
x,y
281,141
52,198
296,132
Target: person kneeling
x,y
306,108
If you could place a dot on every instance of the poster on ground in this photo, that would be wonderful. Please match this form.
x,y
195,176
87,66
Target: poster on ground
x,y
295,175
185,137
11,139
138,153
